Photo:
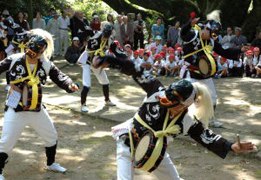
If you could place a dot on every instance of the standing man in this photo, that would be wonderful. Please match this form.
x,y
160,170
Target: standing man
x,y
158,29
53,28
64,23
227,39
173,34
82,28
117,29
139,26
239,39
126,32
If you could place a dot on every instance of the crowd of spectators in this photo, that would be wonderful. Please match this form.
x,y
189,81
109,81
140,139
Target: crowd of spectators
x,y
160,55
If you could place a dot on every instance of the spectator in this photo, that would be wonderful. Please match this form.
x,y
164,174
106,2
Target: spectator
x,y
53,28
21,21
159,65
235,68
136,59
258,68
139,26
170,66
127,32
38,21
239,39
248,63
82,28
49,15
110,19
7,16
11,32
257,56
26,19
257,42
64,24
3,38
158,29
226,41
74,51
173,34
157,44
73,20
117,28
222,68
146,62
96,23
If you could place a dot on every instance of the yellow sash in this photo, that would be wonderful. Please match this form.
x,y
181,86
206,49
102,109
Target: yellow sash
x,y
170,129
207,49
20,45
33,81
100,50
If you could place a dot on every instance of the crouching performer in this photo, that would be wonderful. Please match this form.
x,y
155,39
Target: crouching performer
x,y
28,71
182,108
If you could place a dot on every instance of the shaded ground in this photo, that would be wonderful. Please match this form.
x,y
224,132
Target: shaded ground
x,y
88,151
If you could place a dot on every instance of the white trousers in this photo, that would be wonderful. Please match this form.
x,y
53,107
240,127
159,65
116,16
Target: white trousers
x,y
165,171
63,39
211,86
56,43
100,75
14,123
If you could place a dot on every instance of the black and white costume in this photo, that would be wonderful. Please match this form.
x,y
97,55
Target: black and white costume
x,y
18,113
96,43
191,44
154,114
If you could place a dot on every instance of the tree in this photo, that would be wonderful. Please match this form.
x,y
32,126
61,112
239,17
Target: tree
x,y
234,12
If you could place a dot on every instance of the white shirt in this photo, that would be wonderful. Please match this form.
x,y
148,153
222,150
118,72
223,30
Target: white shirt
x,y
63,23
171,65
158,47
159,65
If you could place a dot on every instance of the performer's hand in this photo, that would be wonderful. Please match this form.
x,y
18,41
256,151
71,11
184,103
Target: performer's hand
x,y
244,48
73,87
243,147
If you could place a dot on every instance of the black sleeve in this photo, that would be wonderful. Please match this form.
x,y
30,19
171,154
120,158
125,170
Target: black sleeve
x,y
5,65
230,53
186,32
210,140
60,79
148,82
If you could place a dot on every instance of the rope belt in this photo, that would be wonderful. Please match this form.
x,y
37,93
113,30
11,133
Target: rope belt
x,y
99,51
170,129
207,50
20,45
33,81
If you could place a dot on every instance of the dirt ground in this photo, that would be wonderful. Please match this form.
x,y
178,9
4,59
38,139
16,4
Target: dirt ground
x,y
87,149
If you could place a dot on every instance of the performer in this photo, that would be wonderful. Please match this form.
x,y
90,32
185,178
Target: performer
x,y
96,46
142,140
17,44
199,42
28,71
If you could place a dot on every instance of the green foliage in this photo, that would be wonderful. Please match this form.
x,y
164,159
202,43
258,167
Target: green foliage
x,y
37,5
90,6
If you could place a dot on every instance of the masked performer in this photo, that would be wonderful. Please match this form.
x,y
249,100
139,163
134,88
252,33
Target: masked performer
x,y
28,71
199,43
165,113
96,47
